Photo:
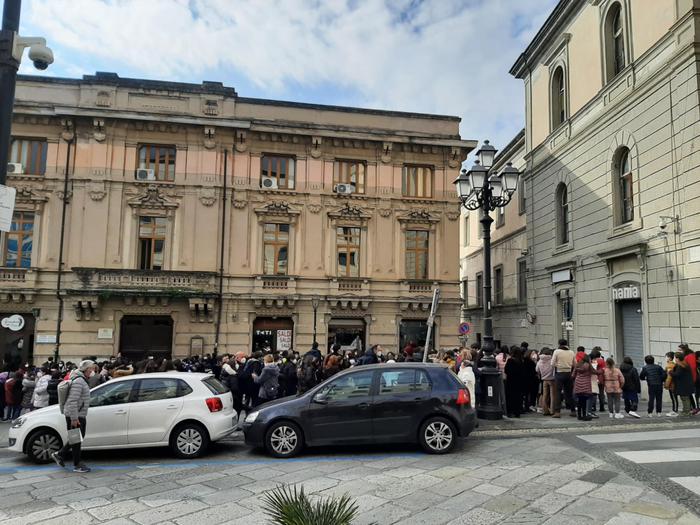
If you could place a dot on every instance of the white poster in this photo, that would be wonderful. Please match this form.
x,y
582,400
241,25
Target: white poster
x,y
7,207
284,340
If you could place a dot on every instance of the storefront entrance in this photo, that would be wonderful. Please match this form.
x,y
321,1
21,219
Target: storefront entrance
x,y
142,336
16,340
416,331
631,332
274,334
350,334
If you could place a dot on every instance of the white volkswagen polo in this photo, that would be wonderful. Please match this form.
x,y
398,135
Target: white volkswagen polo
x,y
185,411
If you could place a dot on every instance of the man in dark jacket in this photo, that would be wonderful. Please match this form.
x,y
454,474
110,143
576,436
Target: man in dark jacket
x,y
655,377
683,383
370,357
309,372
245,379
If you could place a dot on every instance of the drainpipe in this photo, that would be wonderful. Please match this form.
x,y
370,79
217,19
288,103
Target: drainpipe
x,y
220,298
60,249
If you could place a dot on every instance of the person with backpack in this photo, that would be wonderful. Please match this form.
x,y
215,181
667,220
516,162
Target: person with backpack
x,y
75,396
309,372
268,380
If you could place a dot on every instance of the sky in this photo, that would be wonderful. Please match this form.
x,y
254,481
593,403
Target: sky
x,y
448,57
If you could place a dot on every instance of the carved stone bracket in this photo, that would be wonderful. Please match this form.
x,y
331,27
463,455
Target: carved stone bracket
x,y
201,309
86,308
351,213
349,303
314,208
207,196
153,199
274,302
386,152
316,143
98,129
68,132
17,297
452,215
385,212
209,141
239,204
97,191
279,210
241,141
415,306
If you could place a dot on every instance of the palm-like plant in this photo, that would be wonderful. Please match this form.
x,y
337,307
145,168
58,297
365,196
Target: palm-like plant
x,y
290,506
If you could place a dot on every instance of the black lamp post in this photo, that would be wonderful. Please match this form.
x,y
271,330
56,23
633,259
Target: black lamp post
x,y
315,301
478,190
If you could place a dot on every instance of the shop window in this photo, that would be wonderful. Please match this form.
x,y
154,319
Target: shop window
x,y
614,41
522,281
498,285
417,254
277,172
160,159
152,232
562,202
276,248
625,191
350,172
480,289
348,251
31,154
19,241
417,181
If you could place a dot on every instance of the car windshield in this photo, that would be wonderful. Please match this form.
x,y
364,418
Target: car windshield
x,y
215,385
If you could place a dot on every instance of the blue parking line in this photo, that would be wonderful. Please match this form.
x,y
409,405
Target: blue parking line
x,y
189,465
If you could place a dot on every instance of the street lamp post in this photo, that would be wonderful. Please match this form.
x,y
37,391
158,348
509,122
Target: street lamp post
x,y
315,301
478,190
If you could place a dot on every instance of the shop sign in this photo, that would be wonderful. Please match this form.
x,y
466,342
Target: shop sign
x,y
562,276
14,323
47,339
284,340
629,291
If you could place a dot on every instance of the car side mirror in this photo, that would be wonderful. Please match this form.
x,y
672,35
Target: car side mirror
x,y
320,399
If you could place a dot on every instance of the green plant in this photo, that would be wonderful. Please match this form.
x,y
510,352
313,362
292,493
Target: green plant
x,y
290,506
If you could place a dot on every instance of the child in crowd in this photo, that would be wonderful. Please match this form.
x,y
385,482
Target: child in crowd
x,y
655,377
632,387
614,381
668,384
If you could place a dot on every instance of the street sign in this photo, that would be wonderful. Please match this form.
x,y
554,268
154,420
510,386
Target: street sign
x,y
464,328
7,207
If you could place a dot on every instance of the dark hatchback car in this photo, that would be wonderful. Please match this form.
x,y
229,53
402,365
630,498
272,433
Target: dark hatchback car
x,y
387,403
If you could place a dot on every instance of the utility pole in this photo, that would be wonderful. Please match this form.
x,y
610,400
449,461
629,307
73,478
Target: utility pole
x,y
8,77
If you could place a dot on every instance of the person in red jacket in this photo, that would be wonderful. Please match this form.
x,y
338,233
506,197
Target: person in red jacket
x,y
689,358
13,396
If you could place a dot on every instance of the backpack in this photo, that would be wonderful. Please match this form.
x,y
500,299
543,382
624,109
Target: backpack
x,y
270,390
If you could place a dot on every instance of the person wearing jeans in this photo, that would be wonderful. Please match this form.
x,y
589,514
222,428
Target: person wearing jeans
x,y
563,361
655,377
546,373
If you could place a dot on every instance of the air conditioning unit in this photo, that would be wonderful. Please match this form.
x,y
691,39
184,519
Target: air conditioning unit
x,y
143,174
15,168
345,189
269,183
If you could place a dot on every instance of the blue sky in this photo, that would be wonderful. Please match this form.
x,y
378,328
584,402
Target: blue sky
x,y
436,56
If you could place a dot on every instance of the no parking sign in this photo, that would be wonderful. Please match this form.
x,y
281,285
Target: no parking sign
x,y
464,328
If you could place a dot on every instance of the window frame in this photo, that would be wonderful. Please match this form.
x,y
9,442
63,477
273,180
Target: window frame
x,y
409,184
343,246
180,391
498,294
521,265
558,96
479,283
465,291
140,261
115,385
30,167
467,230
563,207
412,390
522,196
625,187
500,216
341,176
154,150
19,232
277,244
616,41
417,251
290,175
318,393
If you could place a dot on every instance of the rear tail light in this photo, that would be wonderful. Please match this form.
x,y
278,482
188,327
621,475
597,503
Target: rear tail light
x,y
463,397
214,404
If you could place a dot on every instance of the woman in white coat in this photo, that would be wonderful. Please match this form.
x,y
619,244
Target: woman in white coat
x,y
41,393
466,375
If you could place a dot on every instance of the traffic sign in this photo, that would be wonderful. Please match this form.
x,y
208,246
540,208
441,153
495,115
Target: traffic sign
x,y
464,328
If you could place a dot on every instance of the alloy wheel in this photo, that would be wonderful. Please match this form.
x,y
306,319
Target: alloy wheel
x,y
438,435
45,445
283,440
189,441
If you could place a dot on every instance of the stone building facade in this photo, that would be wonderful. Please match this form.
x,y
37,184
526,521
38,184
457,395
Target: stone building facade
x,y
613,198
508,260
195,216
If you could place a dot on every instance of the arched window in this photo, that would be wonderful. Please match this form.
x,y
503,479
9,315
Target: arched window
x,y
625,192
562,203
558,98
615,59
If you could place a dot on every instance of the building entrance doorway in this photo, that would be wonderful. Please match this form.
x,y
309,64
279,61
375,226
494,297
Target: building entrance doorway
x,y
629,315
143,336
17,340
272,333
350,334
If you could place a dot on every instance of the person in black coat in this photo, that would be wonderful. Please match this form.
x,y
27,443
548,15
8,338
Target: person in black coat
x,y
246,383
515,383
288,375
683,383
632,387
532,381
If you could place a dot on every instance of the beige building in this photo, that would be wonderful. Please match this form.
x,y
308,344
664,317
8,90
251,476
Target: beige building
x,y
194,215
613,198
508,260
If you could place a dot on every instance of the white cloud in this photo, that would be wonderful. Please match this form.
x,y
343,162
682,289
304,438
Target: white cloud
x,y
441,56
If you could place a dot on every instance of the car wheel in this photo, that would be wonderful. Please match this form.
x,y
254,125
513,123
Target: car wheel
x,y
437,435
189,440
284,439
41,444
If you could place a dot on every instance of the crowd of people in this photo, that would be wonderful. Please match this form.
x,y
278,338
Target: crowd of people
x,y
544,381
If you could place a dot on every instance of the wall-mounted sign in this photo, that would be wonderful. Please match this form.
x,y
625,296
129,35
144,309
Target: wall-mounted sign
x,y
568,326
284,340
46,339
562,276
14,323
105,333
626,291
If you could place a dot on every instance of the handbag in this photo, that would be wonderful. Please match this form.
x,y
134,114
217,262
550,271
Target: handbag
x,y
75,436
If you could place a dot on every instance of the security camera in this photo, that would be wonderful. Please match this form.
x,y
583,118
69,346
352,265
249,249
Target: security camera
x,y
662,224
41,55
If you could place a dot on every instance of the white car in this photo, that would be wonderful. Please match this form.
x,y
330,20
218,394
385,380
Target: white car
x,y
185,411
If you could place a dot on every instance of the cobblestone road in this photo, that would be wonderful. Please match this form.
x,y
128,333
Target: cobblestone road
x,y
547,479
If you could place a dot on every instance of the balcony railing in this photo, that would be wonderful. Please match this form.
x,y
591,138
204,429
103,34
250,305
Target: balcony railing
x,y
146,280
275,284
420,287
12,278
339,287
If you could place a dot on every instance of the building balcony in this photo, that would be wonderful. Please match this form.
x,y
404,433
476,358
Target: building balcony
x,y
274,291
17,285
161,282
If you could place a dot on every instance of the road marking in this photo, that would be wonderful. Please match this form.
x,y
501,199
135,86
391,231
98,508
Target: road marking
x,y
626,437
669,455
692,483
189,464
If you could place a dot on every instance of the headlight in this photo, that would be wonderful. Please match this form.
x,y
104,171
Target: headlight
x,y
18,422
250,418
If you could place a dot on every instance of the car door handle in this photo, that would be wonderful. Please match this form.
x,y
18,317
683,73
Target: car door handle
x,y
171,407
363,405
120,412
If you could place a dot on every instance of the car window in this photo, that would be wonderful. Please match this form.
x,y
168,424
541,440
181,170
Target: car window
x,y
111,394
216,386
349,386
156,389
403,382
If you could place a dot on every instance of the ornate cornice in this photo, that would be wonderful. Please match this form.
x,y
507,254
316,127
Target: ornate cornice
x,y
153,199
